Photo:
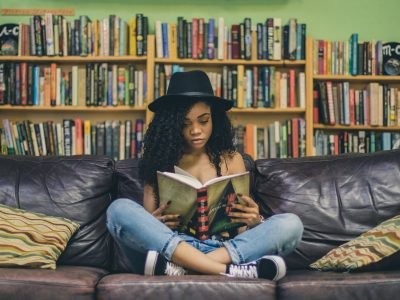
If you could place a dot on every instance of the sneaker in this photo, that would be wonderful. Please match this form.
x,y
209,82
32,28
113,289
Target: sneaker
x,y
157,264
268,267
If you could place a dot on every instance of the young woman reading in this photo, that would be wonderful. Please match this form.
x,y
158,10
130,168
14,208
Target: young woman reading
x,y
191,130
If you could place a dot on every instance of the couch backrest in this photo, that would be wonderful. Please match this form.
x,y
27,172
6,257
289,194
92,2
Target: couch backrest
x,y
336,197
77,188
128,186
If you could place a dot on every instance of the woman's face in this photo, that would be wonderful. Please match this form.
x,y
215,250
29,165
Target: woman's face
x,y
197,127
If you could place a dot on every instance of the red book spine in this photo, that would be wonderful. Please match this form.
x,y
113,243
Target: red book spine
x,y
24,83
200,45
292,88
202,214
235,41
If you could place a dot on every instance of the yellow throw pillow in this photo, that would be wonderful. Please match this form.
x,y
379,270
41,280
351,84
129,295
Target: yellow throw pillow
x,y
370,247
31,239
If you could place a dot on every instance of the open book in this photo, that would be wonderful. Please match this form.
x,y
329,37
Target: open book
x,y
187,193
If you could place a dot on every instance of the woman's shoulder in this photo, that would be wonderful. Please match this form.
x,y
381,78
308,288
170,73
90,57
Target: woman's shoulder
x,y
233,162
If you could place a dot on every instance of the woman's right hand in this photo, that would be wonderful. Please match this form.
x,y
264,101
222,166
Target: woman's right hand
x,y
170,220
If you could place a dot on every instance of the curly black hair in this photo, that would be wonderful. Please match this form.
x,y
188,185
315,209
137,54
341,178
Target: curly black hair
x,y
164,142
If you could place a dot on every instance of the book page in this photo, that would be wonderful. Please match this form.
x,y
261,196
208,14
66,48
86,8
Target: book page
x,y
222,178
182,172
183,178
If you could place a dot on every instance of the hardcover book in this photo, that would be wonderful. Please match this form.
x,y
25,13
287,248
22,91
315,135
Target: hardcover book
x,y
391,58
9,34
203,208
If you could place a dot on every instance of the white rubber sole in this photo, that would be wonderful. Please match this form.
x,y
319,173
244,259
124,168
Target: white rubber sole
x,y
280,266
150,264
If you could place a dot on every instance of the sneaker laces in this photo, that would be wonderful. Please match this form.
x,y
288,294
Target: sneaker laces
x,y
172,269
243,271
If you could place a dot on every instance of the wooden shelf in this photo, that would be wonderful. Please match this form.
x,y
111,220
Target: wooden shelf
x,y
97,109
356,127
357,78
187,61
294,110
78,59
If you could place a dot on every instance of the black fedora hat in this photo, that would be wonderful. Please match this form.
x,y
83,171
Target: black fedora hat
x,y
190,85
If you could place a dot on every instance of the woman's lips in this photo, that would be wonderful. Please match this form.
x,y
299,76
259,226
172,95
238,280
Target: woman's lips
x,y
197,141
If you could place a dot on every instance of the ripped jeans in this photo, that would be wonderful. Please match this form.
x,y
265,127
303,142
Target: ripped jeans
x,y
137,231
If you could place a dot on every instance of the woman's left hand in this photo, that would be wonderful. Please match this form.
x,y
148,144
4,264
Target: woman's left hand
x,y
248,213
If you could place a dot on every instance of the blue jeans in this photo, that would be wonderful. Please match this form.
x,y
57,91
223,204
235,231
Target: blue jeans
x,y
137,231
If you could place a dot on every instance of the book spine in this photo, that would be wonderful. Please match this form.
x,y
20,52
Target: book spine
x,y
202,215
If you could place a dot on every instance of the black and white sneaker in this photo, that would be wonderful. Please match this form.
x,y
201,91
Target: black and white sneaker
x,y
268,267
157,264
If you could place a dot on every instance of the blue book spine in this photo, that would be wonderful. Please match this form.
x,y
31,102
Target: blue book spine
x,y
372,141
36,85
164,29
386,141
211,33
264,79
354,53
110,88
298,41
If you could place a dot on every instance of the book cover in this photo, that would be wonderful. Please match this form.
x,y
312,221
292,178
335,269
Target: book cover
x,y
184,190
391,58
9,34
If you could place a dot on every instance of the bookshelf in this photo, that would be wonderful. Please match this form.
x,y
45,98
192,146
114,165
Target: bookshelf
x,y
373,123
260,116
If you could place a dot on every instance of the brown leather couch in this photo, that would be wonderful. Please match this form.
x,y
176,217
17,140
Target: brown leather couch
x,y
337,199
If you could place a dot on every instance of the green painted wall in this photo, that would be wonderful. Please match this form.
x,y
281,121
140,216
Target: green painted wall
x,y
333,19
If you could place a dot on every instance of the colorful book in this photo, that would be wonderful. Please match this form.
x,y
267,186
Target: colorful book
x,y
204,207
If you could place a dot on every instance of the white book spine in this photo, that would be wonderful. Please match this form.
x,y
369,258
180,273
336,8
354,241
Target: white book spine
x,y
60,137
122,141
58,86
302,89
42,138
75,85
34,140
277,39
159,40
115,85
49,34
221,38
140,93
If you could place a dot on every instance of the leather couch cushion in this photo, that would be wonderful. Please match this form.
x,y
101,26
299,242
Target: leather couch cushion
x,y
314,285
130,286
337,197
77,188
67,282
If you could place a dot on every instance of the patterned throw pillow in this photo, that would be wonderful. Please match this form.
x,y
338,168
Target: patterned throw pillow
x,y
31,239
370,247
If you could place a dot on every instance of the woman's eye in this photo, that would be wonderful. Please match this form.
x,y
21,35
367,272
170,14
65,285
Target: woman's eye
x,y
203,121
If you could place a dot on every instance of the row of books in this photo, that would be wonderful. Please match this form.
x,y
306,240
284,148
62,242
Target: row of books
x,y
114,138
352,57
54,35
92,84
337,103
270,87
224,84
199,38
326,143
264,87
277,140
